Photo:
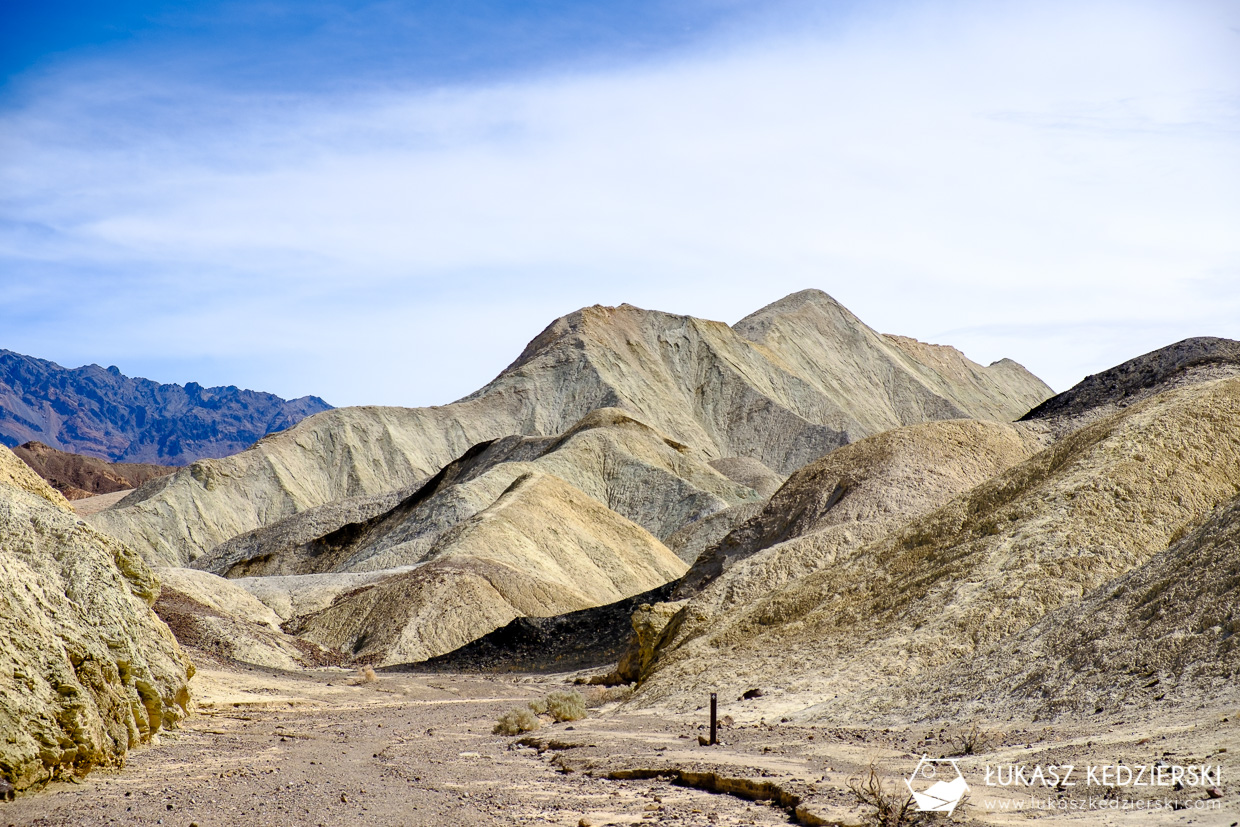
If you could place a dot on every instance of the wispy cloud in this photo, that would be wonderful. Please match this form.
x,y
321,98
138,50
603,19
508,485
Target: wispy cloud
x,y
1054,182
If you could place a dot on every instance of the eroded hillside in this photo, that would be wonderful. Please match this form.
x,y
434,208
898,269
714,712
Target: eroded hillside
x,y
877,618
781,387
87,671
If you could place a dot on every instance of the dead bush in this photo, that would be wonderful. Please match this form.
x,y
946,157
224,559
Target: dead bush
x,y
885,805
972,741
597,696
365,674
516,721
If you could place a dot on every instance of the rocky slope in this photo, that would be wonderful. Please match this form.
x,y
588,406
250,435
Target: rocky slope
x,y
103,413
610,456
87,671
213,616
542,548
985,566
781,387
1184,363
1164,634
560,643
78,476
851,496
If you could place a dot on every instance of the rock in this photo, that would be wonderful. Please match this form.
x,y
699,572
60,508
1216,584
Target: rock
x,y
21,477
1214,792
88,670
750,694
222,596
1184,363
692,539
577,640
649,622
215,616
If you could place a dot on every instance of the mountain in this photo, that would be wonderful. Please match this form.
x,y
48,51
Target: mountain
x,y
934,592
87,670
781,387
617,485
105,414
77,476
853,495
612,457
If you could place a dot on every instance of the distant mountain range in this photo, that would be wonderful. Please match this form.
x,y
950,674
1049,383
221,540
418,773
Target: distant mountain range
x,y
100,412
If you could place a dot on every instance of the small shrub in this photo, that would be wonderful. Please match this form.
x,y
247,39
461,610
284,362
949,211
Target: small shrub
x,y
885,806
516,721
368,674
972,741
539,706
566,706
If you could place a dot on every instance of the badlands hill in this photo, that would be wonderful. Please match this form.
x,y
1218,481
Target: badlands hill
x,y
927,602
617,460
103,413
78,476
88,670
781,387
1184,363
522,526
542,548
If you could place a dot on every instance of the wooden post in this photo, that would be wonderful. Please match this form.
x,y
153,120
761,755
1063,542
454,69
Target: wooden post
x,y
713,722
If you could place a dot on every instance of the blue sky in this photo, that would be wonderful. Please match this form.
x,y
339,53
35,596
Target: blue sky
x,y
382,202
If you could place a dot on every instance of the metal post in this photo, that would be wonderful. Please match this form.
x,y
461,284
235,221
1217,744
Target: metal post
x,y
713,723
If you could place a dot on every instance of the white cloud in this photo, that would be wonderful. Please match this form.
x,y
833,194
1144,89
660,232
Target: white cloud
x,y
1056,182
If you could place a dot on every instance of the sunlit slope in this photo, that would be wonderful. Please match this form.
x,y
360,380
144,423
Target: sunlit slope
x,y
783,387
987,565
617,460
854,495
542,548
87,670
1165,634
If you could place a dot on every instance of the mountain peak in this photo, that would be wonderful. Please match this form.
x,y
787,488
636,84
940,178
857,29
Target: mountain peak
x,y
756,325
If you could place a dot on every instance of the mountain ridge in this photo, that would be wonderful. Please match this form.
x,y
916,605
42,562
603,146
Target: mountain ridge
x,y
103,413
819,378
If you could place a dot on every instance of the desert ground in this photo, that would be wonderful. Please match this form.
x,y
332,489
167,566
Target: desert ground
x,y
330,747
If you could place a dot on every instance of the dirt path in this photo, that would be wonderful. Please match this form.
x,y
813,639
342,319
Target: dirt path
x,y
280,749
325,748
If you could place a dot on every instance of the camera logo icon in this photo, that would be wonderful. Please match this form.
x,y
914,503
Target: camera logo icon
x,y
937,785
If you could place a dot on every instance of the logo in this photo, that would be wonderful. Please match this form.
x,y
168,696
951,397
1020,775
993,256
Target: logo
x,y
937,785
